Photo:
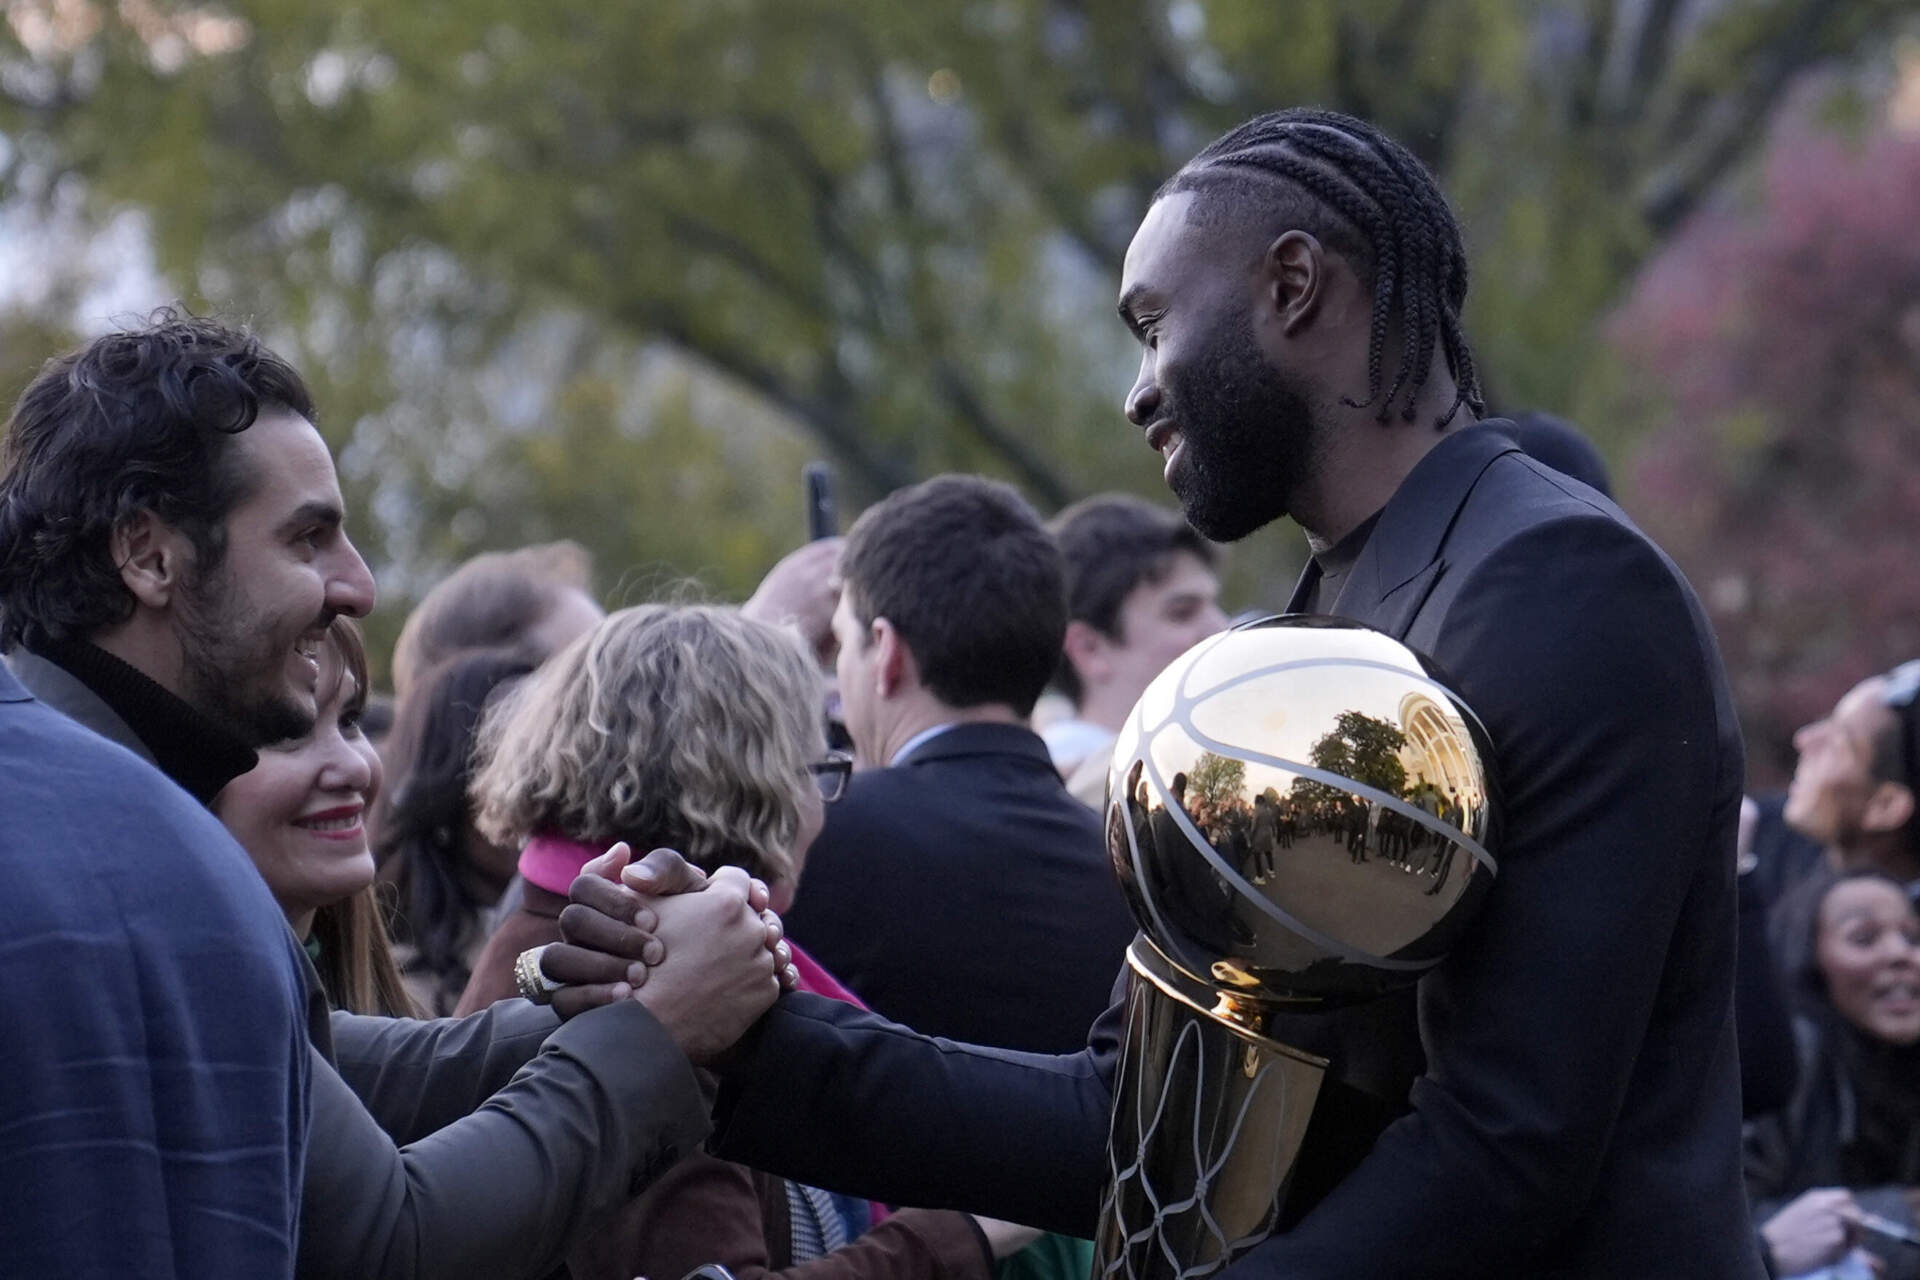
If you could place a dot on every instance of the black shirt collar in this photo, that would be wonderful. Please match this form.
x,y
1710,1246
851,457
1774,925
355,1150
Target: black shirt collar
x,y
1338,560
196,751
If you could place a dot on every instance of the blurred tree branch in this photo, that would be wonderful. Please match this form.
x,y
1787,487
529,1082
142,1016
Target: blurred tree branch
x,y
897,225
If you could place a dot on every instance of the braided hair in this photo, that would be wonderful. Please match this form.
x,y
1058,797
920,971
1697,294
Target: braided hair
x,y
1369,199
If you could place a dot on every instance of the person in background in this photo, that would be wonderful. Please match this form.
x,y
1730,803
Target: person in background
x,y
445,877
1853,790
1850,1139
695,728
301,815
1561,445
1142,589
535,599
949,625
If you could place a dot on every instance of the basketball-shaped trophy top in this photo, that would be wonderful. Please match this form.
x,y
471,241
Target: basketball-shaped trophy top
x,y
1301,810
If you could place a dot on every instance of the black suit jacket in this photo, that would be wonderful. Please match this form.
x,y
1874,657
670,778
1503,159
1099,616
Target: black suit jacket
x,y
1579,1111
964,893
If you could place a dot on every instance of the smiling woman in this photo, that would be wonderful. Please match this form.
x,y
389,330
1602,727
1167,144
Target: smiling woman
x,y
1850,1139
300,814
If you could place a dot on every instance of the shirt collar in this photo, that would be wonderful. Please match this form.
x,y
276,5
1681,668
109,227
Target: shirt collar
x,y
918,741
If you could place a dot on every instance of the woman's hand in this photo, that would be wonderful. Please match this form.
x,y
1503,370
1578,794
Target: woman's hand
x,y
1813,1230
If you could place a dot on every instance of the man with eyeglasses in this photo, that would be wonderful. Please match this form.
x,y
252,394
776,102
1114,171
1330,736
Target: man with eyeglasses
x,y
1855,789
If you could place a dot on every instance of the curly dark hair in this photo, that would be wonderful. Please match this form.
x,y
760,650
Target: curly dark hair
x,y
138,421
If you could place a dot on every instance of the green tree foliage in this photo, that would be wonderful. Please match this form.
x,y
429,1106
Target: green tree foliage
x,y
1360,747
1216,781
893,229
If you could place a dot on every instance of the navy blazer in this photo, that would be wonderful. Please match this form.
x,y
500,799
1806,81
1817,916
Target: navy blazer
x,y
1578,1113
965,893
153,1046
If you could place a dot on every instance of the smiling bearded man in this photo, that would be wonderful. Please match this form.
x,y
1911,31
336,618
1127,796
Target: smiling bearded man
x,y
174,582
1561,1098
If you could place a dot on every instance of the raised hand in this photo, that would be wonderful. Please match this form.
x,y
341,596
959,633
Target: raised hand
x,y
802,591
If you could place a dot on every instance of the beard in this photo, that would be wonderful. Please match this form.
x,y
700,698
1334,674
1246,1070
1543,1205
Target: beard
x,y
1248,438
235,663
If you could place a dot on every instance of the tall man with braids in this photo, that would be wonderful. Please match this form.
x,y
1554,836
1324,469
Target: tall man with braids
x,y
1564,1099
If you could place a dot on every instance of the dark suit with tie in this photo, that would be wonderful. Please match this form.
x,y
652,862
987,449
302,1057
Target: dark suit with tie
x,y
964,893
1578,1113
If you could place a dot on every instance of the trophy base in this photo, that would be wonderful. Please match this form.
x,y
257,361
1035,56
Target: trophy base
x,y
1208,1118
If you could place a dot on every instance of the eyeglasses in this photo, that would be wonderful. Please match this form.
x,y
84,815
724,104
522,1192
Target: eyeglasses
x,y
1901,696
831,774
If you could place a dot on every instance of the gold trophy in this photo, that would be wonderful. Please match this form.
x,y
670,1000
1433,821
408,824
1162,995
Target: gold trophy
x,y
1299,812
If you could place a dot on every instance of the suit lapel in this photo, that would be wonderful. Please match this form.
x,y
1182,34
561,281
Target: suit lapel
x,y
1402,561
65,693
1303,589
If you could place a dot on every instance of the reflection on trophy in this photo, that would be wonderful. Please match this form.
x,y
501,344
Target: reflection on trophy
x,y
1299,812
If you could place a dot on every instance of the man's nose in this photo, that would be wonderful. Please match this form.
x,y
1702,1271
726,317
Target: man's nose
x,y
1143,402
350,587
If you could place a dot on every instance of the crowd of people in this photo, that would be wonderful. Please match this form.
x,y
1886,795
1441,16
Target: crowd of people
x,y
591,946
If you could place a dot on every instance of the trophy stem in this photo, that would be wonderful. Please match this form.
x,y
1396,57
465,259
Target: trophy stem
x,y
1208,1117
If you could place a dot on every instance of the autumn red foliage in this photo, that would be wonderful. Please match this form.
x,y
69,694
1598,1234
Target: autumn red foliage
x,y
1779,336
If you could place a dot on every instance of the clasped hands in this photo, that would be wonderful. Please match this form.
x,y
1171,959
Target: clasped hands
x,y
703,953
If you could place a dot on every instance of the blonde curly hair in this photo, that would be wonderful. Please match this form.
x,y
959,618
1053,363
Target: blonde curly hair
x,y
688,726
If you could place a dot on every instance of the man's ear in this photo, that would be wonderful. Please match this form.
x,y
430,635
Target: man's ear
x,y
1087,649
1889,808
1296,269
153,557
893,664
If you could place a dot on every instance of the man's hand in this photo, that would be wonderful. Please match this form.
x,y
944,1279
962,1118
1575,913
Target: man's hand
x,y
613,943
1812,1231
719,975
802,591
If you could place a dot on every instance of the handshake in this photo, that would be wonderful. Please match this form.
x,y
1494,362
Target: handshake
x,y
703,953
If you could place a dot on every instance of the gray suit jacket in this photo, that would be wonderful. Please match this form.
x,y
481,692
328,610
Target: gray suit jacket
x,y
462,1147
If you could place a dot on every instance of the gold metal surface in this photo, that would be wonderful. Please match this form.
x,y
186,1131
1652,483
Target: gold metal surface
x,y
1207,1123
1301,808
1300,814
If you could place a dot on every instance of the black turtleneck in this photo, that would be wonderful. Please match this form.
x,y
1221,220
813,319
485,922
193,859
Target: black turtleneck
x,y
197,752
1335,563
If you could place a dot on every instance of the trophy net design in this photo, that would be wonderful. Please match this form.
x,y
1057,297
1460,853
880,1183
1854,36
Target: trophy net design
x,y
1299,812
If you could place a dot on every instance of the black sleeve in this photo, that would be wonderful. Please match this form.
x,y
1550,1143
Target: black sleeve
x,y
1769,1063
831,1096
1577,645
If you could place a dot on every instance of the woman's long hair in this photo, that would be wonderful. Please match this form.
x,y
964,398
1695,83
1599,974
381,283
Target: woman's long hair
x,y
356,960
1862,1094
422,819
